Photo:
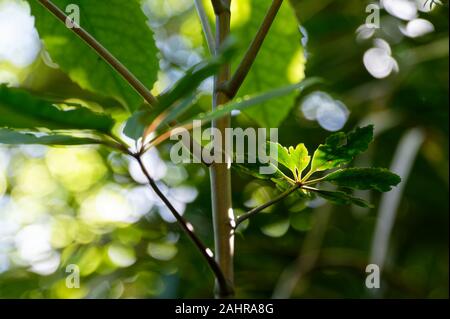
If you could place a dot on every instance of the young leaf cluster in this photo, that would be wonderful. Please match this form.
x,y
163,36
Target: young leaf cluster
x,y
330,158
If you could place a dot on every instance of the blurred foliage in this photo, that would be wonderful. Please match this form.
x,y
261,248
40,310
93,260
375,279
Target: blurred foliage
x,y
87,206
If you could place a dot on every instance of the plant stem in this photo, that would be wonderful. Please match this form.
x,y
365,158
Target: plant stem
x,y
205,25
221,6
220,174
232,87
308,175
103,52
313,181
258,209
224,286
308,188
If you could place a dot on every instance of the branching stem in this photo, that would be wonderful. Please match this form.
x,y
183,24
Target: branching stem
x,y
232,87
187,227
102,52
259,209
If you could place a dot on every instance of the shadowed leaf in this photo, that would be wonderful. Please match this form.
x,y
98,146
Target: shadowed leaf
x,y
20,110
11,137
341,198
379,179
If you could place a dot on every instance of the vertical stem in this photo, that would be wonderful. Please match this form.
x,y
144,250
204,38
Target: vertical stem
x,y
220,174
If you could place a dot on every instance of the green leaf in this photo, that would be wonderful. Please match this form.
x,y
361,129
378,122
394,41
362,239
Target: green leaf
x,y
341,148
281,60
301,159
118,25
341,198
20,110
252,101
136,124
19,138
251,166
244,104
252,169
379,179
179,98
140,120
284,157
295,159
196,75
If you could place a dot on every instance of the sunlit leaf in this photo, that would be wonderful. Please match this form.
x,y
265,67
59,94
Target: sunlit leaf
x,y
295,159
120,26
280,62
340,149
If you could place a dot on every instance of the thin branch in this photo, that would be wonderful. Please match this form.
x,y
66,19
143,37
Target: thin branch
x,y
232,87
205,25
189,230
102,52
308,175
258,209
312,189
313,181
117,145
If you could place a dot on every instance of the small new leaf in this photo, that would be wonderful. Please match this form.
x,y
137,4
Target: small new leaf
x,y
295,159
379,179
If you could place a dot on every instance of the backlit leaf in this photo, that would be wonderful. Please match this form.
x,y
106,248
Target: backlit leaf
x,y
121,27
340,149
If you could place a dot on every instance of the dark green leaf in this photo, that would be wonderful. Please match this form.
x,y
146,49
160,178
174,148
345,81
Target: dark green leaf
x,y
19,138
249,102
195,76
341,148
19,109
365,178
341,198
179,99
136,124
253,169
